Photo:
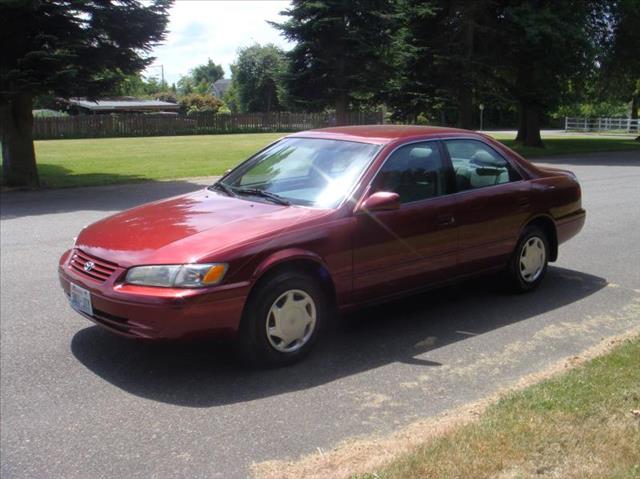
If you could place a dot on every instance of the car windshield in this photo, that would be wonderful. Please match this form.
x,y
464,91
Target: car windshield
x,y
302,171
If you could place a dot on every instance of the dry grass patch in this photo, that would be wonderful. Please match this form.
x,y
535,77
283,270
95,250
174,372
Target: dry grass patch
x,y
584,424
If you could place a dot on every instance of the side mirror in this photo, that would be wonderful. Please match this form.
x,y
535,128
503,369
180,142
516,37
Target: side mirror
x,y
380,201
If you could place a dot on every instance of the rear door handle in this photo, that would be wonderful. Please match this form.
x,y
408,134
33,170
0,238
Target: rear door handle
x,y
446,220
523,201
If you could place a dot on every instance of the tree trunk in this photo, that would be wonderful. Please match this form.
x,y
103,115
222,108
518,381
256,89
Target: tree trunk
x,y
268,100
465,97
341,109
16,133
529,127
522,124
465,108
532,137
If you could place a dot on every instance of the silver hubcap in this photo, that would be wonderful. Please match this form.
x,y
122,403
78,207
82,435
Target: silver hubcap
x,y
291,321
532,259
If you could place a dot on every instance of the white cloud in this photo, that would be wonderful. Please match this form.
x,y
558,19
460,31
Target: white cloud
x,y
199,30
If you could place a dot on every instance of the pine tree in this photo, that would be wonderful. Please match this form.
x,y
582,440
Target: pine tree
x,y
78,48
342,55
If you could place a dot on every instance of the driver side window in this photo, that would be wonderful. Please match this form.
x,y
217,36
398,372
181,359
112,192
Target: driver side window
x,y
416,172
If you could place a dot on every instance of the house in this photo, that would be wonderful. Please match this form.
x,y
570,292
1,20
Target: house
x,y
120,105
220,87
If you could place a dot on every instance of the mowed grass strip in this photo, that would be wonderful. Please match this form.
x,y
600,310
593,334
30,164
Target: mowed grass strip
x,y
91,162
583,424
571,145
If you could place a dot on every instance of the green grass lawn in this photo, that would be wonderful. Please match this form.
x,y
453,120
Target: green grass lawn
x,y
116,160
65,163
563,145
584,424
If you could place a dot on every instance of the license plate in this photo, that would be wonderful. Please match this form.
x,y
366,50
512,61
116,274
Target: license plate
x,y
80,299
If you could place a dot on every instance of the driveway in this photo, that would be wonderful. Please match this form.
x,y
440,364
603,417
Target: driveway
x,y
77,402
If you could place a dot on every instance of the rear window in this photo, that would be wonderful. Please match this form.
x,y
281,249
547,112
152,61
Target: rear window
x,y
477,165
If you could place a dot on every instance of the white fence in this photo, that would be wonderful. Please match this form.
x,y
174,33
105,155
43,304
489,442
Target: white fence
x,y
620,125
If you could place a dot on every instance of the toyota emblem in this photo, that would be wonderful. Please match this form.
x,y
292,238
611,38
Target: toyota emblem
x,y
88,266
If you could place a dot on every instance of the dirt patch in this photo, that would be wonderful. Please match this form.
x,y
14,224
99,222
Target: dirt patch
x,y
367,454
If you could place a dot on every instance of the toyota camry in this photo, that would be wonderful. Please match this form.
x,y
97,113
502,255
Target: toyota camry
x,y
318,223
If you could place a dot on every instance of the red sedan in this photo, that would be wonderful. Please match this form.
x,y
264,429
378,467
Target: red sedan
x,y
318,223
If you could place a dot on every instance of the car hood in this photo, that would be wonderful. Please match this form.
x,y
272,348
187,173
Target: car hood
x,y
187,228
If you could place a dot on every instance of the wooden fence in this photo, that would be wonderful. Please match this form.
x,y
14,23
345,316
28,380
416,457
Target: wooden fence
x,y
110,126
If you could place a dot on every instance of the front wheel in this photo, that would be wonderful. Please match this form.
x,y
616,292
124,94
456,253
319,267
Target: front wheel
x,y
282,319
529,262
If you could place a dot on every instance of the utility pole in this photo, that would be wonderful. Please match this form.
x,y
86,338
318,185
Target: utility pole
x,y
481,107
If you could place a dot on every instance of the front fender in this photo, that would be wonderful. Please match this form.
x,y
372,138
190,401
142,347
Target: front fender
x,y
283,256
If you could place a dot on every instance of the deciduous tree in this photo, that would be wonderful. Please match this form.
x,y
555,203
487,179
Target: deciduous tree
x,y
258,76
200,79
534,53
620,65
538,51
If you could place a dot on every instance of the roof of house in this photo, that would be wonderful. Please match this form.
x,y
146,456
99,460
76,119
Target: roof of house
x,y
123,104
221,86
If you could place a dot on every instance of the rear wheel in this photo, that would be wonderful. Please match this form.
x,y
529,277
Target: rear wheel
x,y
282,319
529,262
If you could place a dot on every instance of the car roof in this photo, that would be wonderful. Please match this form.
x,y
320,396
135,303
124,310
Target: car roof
x,y
379,134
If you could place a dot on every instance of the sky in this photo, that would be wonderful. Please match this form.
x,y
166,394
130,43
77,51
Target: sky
x,y
199,30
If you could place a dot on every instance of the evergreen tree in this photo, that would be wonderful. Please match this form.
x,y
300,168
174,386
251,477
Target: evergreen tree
x,y
438,51
79,48
342,55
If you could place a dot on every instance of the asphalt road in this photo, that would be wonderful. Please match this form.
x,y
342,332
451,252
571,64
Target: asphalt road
x,y
77,402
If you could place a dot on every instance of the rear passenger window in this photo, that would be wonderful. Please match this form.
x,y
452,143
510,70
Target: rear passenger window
x,y
415,172
477,165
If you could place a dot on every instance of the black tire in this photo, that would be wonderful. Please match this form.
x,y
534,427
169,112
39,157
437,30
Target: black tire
x,y
517,278
253,344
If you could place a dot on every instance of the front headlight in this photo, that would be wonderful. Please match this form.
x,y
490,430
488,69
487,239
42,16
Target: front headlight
x,y
177,275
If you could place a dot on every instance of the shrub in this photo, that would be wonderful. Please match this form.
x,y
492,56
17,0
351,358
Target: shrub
x,y
198,103
167,96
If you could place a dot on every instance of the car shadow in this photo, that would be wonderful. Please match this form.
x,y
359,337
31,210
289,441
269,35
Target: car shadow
x,y
202,374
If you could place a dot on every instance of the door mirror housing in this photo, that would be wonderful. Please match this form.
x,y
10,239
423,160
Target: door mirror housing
x,y
380,201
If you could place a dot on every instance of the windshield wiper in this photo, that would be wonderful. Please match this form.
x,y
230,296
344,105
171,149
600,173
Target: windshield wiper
x,y
264,194
221,186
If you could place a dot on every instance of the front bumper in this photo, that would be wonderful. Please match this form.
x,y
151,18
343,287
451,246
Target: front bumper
x,y
159,313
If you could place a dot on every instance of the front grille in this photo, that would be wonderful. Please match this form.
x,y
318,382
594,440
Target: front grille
x,y
101,270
